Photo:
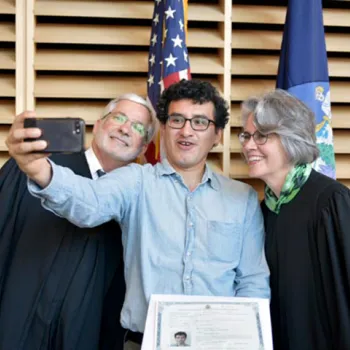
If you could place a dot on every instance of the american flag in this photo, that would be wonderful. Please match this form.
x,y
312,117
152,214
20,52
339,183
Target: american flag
x,y
168,60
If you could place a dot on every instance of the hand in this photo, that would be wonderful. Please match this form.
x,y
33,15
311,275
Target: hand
x,y
35,165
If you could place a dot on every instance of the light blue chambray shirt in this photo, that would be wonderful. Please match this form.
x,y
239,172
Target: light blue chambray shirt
x,y
206,242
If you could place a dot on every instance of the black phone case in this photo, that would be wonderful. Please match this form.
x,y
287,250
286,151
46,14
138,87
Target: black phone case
x,y
63,135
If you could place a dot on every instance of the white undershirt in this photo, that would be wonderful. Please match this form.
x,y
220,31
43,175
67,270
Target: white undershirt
x,y
93,163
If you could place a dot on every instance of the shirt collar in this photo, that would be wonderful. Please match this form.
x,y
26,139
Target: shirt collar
x,y
211,177
164,168
93,162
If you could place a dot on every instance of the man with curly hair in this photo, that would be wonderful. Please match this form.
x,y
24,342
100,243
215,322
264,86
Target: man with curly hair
x,y
186,230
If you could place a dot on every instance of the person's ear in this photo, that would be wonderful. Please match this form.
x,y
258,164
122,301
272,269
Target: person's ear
x,y
218,137
96,126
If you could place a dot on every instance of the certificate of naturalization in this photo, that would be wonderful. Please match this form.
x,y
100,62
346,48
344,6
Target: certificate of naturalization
x,y
207,323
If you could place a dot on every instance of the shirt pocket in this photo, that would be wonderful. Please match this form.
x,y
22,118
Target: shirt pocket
x,y
224,241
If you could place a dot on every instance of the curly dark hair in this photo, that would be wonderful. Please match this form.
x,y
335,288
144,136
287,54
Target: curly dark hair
x,y
199,92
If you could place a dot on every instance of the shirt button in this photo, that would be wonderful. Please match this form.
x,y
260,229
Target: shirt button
x,y
187,278
188,253
190,224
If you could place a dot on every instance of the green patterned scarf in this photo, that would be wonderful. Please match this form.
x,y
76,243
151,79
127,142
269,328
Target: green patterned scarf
x,y
294,181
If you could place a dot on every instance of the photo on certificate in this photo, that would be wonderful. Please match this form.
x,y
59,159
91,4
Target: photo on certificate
x,y
209,325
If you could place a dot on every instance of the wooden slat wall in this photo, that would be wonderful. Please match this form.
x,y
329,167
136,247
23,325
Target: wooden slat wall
x,y
88,51
7,71
95,50
256,39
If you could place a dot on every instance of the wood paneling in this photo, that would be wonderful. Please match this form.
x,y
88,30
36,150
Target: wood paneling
x,y
243,88
7,32
7,59
116,35
109,61
7,85
7,7
256,65
271,40
121,9
276,15
87,52
7,111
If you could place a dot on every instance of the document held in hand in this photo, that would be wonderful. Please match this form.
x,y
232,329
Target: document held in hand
x,y
207,323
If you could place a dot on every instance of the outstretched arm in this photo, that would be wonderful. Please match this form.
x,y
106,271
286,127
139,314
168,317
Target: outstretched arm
x,y
86,202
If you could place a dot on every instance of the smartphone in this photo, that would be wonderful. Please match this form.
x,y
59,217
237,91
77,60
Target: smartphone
x,y
63,135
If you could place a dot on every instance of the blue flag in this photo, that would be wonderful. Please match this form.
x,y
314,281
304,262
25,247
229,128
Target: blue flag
x,y
303,72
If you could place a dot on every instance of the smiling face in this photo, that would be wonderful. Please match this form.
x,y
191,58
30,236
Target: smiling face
x,y
121,142
187,149
268,162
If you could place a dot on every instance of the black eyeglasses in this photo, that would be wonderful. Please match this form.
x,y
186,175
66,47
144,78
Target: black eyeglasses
x,y
258,137
197,123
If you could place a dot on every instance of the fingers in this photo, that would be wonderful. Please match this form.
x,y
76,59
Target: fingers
x,y
15,139
22,148
19,119
18,122
25,153
18,148
28,133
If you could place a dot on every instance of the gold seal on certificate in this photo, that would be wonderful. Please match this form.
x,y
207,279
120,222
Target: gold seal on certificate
x,y
207,323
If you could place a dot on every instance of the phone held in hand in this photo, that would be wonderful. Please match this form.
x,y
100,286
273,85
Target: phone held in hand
x,y
63,135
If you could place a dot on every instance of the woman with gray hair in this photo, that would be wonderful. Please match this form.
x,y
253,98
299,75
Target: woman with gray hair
x,y
307,222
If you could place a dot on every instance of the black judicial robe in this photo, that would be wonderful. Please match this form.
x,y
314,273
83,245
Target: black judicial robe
x,y
308,252
61,287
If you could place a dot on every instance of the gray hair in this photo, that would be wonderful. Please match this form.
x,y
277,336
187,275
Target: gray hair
x,y
153,127
283,114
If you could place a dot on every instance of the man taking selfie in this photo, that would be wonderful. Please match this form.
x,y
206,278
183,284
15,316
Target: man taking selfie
x,y
185,229
62,287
